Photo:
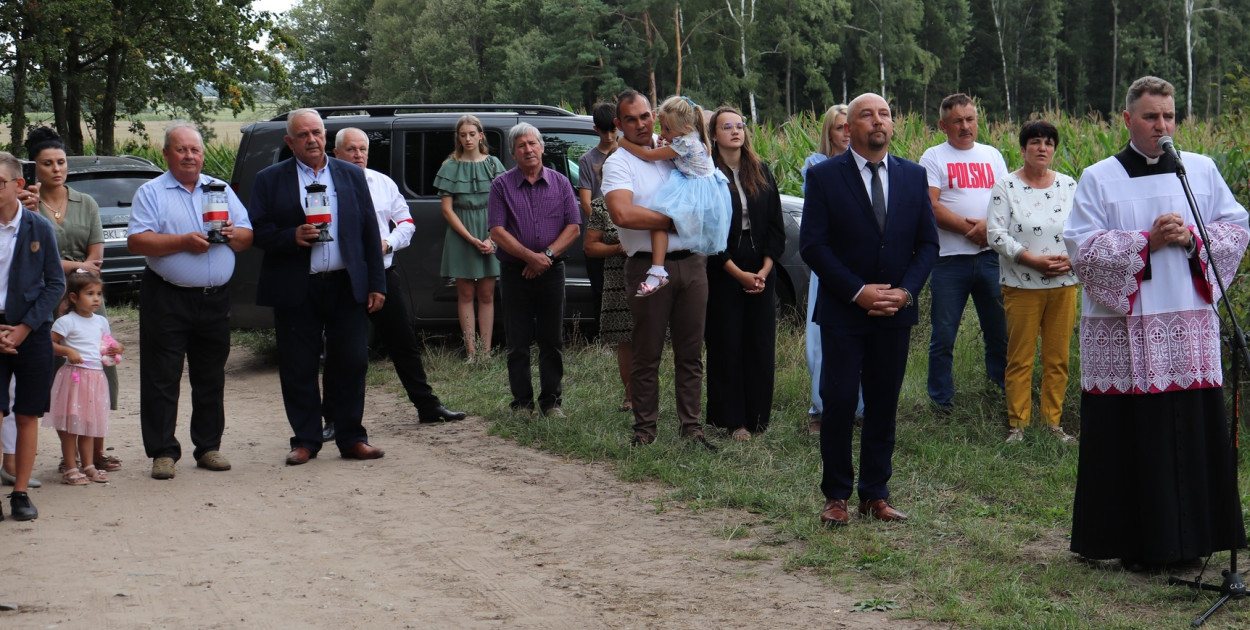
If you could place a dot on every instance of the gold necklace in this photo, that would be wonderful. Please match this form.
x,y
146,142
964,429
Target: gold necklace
x,y
57,214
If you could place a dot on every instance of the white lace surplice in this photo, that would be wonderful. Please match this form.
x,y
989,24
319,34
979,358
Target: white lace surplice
x,y
1156,334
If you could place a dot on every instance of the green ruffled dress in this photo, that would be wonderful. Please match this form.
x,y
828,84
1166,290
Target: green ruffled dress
x,y
468,185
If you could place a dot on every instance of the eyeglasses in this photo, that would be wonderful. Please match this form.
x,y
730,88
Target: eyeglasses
x,y
5,182
731,126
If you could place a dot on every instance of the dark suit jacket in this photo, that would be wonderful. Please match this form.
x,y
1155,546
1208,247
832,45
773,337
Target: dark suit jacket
x,y
768,229
36,280
276,210
840,240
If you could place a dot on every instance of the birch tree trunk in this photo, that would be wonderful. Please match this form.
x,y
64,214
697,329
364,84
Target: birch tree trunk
x,y
1115,51
677,39
1189,60
996,8
742,18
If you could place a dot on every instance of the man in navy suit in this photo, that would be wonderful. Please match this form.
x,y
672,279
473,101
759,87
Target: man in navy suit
x,y
319,289
30,266
869,234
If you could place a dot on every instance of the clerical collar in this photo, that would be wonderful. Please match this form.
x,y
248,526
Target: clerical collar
x,y
1136,164
1151,161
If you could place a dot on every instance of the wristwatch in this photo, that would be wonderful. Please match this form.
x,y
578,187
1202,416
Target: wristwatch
x,y
550,254
909,298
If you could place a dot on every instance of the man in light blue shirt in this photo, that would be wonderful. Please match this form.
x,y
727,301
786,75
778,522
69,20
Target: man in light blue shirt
x,y
184,308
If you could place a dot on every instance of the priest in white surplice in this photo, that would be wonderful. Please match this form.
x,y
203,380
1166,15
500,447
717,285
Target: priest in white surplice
x,y
1153,481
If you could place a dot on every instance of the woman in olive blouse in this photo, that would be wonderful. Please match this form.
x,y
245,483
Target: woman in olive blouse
x,y
75,218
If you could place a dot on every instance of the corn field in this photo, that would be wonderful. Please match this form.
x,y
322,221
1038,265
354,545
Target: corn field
x,y
1082,142
218,158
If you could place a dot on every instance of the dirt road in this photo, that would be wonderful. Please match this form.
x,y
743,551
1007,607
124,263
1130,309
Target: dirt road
x,y
452,529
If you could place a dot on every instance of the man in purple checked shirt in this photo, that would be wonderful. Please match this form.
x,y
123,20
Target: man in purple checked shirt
x,y
533,219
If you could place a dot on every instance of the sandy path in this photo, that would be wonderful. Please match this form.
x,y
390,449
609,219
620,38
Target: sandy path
x,y
452,529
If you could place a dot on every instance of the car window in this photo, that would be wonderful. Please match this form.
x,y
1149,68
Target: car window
x,y
379,149
110,189
424,154
563,149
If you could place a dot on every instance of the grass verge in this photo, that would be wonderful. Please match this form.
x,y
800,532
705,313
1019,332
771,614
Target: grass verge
x,y
987,543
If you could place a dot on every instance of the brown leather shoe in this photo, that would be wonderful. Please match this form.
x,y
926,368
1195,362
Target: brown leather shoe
x,y
298,455
834,513
813,427
362,450
881,510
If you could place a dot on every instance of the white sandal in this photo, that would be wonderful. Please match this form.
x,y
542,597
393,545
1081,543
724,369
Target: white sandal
x,y
95,474
74,477
646,288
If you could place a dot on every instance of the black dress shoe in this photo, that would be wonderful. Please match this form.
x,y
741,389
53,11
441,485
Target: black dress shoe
x,y
702,441
327,434
440,414
22,508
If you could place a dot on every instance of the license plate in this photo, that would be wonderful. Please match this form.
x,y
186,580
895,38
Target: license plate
x,y
114,234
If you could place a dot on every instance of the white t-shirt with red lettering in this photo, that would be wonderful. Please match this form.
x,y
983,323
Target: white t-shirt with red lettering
x,y
966,177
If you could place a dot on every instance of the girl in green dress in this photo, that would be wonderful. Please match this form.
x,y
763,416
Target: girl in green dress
x,y
468,253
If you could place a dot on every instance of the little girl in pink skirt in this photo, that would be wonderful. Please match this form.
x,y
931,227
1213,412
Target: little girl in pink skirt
x,y
80,393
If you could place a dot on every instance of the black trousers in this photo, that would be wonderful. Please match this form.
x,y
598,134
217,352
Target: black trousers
x,y
330,312
871,360
741,340
534,311
395,329
178,324
33,371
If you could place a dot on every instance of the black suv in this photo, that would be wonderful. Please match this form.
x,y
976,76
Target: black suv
x,y
410,143
112,182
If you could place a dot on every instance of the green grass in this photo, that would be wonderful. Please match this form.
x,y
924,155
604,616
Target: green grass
x,y
987,547
987,543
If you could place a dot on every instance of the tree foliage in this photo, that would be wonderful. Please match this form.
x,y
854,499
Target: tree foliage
x,y
776,57
1018,57
99,60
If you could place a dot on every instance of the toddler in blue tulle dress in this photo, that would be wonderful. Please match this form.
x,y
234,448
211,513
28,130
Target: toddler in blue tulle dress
x,y
696,194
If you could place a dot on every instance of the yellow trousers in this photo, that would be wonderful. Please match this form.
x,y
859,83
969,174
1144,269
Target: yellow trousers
x,y
1050,314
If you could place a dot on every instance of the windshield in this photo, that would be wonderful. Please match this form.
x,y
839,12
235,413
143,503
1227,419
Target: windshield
x,y
110,190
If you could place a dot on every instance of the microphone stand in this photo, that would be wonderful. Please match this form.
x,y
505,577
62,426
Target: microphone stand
x,y
1233,587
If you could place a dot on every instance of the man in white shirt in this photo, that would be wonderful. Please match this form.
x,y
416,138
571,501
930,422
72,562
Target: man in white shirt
x,y
628,186
961,174
391,322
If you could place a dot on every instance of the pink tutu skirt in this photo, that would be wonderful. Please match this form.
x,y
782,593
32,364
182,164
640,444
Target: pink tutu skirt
x,y
80,402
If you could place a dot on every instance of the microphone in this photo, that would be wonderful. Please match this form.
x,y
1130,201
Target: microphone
x,y
1169,147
